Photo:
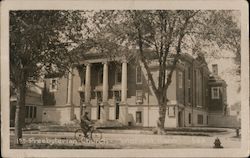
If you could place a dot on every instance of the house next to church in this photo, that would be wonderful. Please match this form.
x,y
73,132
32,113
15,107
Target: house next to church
x,y
119,91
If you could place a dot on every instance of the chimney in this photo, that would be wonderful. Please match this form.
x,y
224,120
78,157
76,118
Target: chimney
x,y
215,69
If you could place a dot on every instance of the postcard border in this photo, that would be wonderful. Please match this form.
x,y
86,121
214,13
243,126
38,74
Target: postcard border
x,y
124,4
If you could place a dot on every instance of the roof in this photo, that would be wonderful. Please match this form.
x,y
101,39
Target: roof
x,y
216,80
200,61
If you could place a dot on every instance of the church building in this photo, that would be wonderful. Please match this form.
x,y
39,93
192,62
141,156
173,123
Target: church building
x,y
119,91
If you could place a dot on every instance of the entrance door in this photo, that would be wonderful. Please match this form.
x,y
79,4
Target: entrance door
x,y
99,101
117,103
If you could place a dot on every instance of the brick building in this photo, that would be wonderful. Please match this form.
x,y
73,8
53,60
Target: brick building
x,y
119,91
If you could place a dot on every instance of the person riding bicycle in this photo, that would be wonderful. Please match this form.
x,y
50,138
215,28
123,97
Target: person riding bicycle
x,y
86,123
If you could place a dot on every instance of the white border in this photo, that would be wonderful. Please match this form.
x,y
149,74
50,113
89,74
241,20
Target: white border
x,y
125,4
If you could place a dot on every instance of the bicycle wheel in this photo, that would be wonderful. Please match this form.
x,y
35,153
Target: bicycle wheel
x,y
79,135
96,135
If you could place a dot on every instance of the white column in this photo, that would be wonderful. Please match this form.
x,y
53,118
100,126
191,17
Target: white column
x,y
87,83
87,93
105,83
124,82
70,87
123,114
70,94
105,108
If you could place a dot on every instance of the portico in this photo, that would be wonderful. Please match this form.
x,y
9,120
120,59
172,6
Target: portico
x,y
105,99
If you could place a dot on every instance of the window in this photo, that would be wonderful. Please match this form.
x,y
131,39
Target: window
x,y
215,92
138,75
138,117
139,96
100,76
189,92
189,118
195,90
200,119
117,95
34,116
207,119
171,111
53,84
30,111
189,85
118,76
180,80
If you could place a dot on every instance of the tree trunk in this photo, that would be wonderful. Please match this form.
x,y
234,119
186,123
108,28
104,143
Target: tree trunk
x,y
161,121
20,111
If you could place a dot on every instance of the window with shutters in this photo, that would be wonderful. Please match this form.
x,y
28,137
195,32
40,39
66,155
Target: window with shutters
x,y
53,84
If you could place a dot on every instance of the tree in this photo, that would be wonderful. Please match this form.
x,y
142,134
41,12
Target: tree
x,y
39,45
220,30
162,36
164,33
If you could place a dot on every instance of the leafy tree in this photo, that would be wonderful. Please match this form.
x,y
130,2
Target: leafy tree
x,y
40,41
160,35
218,32
164,32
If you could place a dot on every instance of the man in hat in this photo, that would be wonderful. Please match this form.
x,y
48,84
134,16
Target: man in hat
x,y
86,123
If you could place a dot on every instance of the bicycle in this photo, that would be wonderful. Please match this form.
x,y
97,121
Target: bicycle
x,y
93,134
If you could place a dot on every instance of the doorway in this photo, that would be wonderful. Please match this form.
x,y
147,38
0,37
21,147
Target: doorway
x,y
117,110
180,119
117,95
99,102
